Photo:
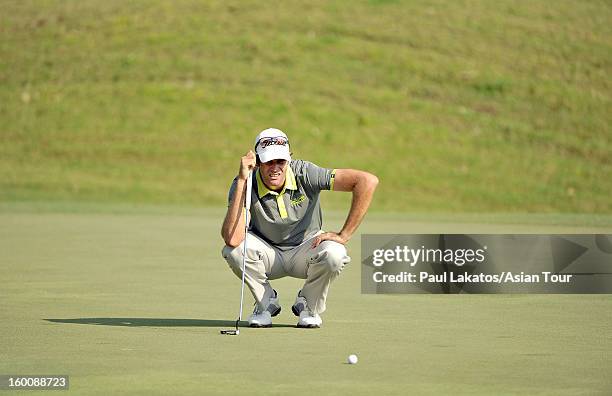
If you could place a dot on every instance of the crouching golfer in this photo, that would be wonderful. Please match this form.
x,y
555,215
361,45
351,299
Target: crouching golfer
x,y
285,236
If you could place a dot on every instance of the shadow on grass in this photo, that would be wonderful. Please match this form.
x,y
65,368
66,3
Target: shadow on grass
x,y
156,322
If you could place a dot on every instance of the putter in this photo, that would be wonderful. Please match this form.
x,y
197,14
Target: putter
x,y
247,219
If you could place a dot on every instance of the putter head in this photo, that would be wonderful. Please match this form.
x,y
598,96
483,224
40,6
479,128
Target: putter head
x,y
230,332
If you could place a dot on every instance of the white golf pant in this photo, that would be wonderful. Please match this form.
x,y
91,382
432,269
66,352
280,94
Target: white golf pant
x,y
319,266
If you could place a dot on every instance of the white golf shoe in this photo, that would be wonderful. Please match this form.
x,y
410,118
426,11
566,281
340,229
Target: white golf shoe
x,y
260,319
264,318
308,319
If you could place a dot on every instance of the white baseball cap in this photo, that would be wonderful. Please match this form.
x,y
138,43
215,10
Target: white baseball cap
x,y
272,144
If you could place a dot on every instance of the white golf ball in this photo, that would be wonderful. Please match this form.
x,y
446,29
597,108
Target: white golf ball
x,y
352,359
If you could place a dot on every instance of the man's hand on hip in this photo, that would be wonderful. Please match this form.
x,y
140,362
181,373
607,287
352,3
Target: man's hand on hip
x,y
328,236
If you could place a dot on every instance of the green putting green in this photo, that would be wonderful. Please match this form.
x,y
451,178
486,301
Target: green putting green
x,y
131,300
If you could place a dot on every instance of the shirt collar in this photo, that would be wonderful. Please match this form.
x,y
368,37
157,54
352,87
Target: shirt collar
x,y
290,184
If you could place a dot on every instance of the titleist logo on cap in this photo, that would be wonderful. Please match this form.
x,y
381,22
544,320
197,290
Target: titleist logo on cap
x,y
279,141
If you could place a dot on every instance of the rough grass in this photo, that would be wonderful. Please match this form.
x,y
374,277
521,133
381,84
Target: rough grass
x,y
457,106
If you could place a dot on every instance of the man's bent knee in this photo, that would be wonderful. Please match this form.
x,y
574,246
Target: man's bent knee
x,y
233,255
335,256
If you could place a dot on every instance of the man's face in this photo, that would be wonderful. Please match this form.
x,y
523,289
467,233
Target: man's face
x,y
273,173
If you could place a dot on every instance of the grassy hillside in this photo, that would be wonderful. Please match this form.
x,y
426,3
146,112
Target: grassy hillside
x,y
456,105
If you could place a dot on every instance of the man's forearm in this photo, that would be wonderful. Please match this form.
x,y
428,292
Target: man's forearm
x,y
232,230
363,191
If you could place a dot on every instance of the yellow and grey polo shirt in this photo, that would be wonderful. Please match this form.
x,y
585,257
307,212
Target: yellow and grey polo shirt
x,y
287,218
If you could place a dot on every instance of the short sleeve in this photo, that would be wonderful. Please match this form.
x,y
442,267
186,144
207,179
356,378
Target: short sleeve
x,y
315,177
